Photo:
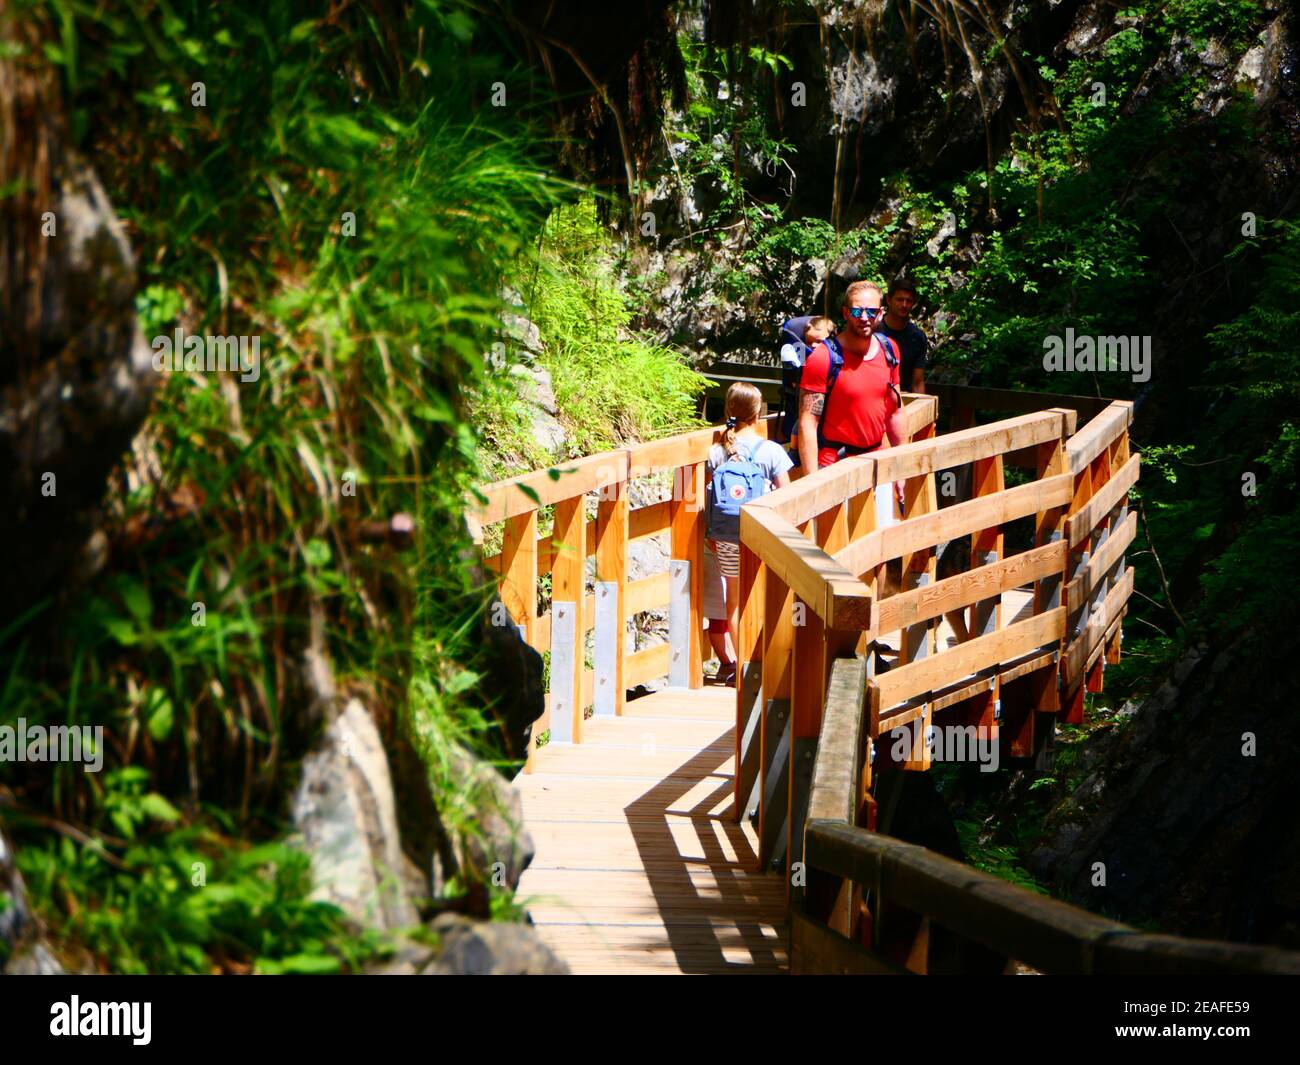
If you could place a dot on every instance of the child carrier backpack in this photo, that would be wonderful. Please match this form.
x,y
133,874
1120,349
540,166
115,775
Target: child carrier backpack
x,y
792,331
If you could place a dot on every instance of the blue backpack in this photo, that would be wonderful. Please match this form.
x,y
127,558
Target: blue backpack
x,y
736,482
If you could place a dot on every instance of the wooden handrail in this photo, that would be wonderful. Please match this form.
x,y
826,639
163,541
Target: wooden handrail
x,y
1047,934
526,556
812,560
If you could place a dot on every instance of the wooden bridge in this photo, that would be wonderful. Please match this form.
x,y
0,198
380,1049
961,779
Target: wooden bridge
x,y
702,829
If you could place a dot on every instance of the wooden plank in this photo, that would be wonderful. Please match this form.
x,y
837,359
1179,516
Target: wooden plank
x,y
837,597
817,492
529,491
778,677
1110,552
1030,664
835,774
648,593
816,950
963,589
687,524
958,520
906,681
646,664
650,520
1049,527
611,567
1077,655
1098,434
684,449
1103,501
975,399
519,571
567,586
986,548
778,635
966,445
917,568
748,642
1071,695
921,411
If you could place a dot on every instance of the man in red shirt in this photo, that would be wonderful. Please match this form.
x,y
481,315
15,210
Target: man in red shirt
x,y
865,403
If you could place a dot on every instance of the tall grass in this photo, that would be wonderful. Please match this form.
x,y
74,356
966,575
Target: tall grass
x,y
612,385
246,497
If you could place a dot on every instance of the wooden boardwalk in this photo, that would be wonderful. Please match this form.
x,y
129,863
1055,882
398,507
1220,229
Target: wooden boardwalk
x,y
640,867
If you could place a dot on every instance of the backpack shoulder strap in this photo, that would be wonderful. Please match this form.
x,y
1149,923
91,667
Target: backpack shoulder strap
x,y
837,363
832,373
891,349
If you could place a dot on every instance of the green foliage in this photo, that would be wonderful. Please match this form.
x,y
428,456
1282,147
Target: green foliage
x,y
728,139
190,901
1227,20
611,386
999,860
245,496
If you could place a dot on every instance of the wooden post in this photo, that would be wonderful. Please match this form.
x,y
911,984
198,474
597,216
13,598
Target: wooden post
x,y
862,520
1049,527
568,590
1101,472
749,679
1076,561
1119,455
778,645
687,525
519,571
611,567
918,641
986,547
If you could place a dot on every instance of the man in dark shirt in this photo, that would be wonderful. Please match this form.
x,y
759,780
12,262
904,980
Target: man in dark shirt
x,y
898,325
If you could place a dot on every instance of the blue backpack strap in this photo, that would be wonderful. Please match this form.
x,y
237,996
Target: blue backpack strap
x,y
892,356
832,374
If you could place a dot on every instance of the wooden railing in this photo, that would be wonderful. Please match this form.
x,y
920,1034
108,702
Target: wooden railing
x,y
813,565
875,904
816,722
588,504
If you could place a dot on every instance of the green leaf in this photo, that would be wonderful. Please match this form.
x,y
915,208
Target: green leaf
x,y
122,631
316,553
136,597
462,681
159,808
160,714
301,964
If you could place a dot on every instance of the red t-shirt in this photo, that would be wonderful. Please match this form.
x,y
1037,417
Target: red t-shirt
x,y
861,401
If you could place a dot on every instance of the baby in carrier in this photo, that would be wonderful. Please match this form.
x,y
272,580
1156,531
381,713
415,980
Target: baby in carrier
x,y
798,337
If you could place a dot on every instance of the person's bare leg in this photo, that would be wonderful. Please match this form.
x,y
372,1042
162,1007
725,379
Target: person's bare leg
x,y
721,644
957,619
